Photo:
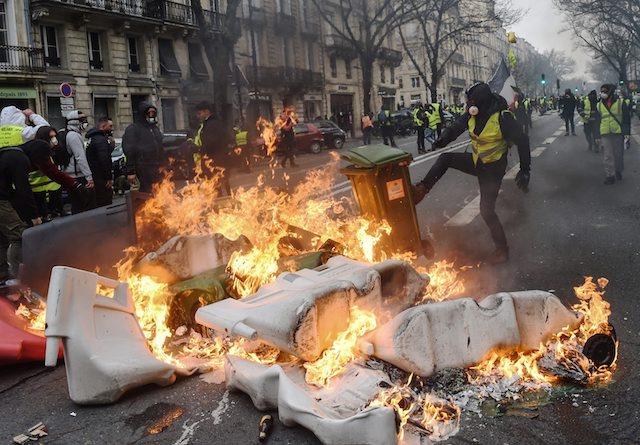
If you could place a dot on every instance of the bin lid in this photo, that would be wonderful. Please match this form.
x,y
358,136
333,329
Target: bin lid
x,y
375,155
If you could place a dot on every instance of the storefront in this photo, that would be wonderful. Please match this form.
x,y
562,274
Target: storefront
x,y
19,96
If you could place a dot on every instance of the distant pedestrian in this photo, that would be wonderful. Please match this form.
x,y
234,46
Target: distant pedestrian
x,y
77,165
287,138
521,114
215,142
568,108
589,115
419,122
367,129
387,128
101,144
436,117
142,145
611,110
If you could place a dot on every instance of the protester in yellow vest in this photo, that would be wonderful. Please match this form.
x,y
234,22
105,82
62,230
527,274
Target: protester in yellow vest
x,y
18,126
610,111
492,129
588,114
419,118
434,113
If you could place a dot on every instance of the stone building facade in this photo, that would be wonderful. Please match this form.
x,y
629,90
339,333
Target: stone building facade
x,y
119,53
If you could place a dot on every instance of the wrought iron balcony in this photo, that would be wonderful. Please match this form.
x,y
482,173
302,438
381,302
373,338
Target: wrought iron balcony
x,y
285,23
394,57
282,77
338,45
21,59
310,29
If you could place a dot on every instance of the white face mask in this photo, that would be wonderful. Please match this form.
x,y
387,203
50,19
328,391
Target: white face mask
x,y
604,95
473,110
54,141
152,120
84,126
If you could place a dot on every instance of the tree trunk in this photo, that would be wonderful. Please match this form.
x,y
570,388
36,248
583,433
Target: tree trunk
x,y
367,82
434,85
219,55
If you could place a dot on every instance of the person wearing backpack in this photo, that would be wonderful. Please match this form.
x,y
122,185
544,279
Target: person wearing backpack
x,y
386,127
72,158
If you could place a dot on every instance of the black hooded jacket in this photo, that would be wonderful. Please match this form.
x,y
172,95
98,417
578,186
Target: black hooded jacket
x,y
511,130
99,154
142,142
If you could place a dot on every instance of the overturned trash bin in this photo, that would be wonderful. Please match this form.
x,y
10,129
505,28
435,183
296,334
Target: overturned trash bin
x,y
105,351
382,186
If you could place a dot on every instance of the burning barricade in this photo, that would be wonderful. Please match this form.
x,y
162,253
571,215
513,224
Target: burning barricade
x,y
293,297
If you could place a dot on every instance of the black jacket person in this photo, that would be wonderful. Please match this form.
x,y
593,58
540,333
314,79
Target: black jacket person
x,y
492,129
142,145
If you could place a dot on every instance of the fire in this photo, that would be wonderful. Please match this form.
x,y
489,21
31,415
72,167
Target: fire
x,y
444,281
565,346
35,316
343,349
438,417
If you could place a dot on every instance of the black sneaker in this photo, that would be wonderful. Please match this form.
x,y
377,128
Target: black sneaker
x,y
610,180
618,176
498,256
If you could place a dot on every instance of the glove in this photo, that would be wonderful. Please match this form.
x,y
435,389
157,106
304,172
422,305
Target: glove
x,y
438,143
522,180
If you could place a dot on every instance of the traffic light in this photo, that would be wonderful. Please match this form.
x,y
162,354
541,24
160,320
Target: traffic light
x,y
543,80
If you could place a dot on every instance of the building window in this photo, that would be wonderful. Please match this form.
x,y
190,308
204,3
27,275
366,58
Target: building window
x,y
284,7
54,112
196,62
103,107
383,77
400,82
286,46
392,74
310,56
347,67
333,65
50,45
168,62
134,57
169,114
415,82
96,62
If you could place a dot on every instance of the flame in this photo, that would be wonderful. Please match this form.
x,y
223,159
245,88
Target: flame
x,y
444,281
439,417
343,349
565,346
34,316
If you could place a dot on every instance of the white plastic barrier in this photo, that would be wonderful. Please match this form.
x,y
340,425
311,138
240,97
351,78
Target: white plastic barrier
x,y
333,414
302,312
459,333
105,352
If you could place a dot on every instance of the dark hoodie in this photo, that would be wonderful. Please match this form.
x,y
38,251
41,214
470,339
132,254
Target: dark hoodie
x,y
99,155
488,104
142,142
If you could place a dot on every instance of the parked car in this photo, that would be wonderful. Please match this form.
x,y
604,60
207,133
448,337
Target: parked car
x,y
403,121
333,135
118,163
308,138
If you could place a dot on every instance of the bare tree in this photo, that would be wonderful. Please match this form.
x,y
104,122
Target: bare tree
x,y
561,64
437,28
219,32
602,71
364,25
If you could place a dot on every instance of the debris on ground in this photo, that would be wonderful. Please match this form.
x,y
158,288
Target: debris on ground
x,y
36,432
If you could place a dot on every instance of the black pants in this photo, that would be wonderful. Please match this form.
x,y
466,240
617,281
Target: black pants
x,y
590,134
148,175
387,136
83,201
104,194
439,129
568,121
288,150
489,179
420,132
366,135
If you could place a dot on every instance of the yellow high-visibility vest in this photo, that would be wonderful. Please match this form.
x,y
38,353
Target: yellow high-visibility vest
x,y
41,183
242,138
197,140
489,146
434,117
608,116
416,119
10,136
586,109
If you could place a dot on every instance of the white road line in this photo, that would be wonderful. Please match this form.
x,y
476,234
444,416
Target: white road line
x,y
538,151
636,138
550,140
558,133
466,215
511,174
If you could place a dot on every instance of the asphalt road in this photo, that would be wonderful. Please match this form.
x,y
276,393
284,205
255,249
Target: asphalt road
x,y
568,226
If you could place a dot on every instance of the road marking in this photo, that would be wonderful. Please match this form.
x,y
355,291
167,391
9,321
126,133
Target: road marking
x,y
636,138
537,152
511,174
466,215
558,133
550,140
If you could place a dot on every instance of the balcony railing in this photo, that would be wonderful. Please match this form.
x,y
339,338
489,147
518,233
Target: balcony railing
x,y
390,55
289,78
310,29
165,10
339,46
285,23
21,59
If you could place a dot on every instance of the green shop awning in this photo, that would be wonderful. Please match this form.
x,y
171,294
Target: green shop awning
x,y
17,93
